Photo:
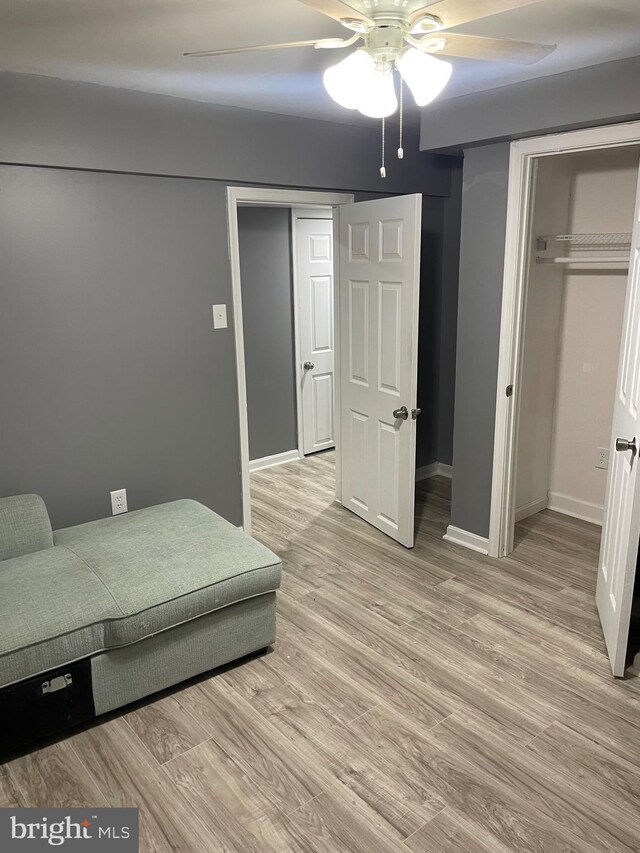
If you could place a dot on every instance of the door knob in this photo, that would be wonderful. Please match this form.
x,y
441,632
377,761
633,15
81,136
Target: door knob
x,y
308,365
622,445
401,414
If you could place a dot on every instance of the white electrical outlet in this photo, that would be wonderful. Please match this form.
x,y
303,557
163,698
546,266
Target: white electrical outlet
x,y
602,457
118,501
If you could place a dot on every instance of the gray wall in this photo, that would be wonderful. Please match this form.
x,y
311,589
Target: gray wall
x,y
438,323
111,373
448,314
84,126
431,283
484,216
601,94
267,315
89,258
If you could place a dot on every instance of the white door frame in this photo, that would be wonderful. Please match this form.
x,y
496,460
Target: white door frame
x,y
256,196
524,153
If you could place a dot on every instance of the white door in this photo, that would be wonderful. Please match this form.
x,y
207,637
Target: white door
x,y
379,270
621,528
314,282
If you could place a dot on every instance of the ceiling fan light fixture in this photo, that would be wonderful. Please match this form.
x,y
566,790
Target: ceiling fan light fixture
x,y
377,98
425,75
346,81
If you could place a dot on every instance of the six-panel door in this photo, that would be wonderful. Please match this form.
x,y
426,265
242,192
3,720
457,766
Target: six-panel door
x,y
314,246
379,297
621,526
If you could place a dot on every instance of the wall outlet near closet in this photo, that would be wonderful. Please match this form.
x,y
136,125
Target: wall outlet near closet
x,y
602,457
119,502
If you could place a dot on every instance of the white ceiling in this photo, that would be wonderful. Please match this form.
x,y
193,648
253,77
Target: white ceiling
x,y
138,44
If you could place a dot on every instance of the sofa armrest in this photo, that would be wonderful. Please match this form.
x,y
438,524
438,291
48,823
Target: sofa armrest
x,y
24,526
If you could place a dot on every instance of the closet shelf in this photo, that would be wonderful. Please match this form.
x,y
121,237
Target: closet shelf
x,y
614,249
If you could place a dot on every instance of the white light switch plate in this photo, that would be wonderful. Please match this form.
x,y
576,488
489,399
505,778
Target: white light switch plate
x,y
219,316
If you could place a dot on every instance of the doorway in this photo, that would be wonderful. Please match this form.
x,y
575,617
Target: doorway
x,y
582,219
376,286
286,263
568,366
238,197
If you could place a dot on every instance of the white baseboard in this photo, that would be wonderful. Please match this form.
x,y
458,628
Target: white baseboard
x,y
578,509
436,469
270,461
531,508
466,539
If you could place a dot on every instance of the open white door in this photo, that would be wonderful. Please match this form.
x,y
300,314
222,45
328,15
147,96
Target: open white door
x,y
379,291
621,528
314,282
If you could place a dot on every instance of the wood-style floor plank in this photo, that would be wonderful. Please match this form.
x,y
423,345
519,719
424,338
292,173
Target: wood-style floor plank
x,y
128,775
10,797
598,823
229,804
337,821
432,700
286,776
450,832
584,762
53,777
166,728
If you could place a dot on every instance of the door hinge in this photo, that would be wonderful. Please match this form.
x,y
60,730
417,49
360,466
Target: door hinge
x,y
509,391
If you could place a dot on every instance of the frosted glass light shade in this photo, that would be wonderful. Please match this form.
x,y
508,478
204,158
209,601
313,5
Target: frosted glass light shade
x,y
346,80
378,95
425,75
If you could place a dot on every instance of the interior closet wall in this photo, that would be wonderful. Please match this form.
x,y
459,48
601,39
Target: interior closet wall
x,y
572,336
603,198
541,334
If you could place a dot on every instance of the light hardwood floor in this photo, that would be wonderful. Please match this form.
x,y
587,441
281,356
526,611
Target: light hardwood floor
x,y
433,701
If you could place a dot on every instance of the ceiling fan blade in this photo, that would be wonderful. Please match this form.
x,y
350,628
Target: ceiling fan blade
x,y
253,48
338,10
498,50
456,12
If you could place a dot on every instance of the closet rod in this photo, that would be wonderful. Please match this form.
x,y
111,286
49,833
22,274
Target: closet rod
x,y
594,261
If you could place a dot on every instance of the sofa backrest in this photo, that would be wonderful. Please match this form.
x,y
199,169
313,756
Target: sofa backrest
x,y
24,526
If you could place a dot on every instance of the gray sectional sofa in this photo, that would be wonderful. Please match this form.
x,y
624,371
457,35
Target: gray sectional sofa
x,y
99,615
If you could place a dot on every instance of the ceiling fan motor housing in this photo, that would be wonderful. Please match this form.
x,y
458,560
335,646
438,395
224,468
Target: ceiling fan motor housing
x,y
386,42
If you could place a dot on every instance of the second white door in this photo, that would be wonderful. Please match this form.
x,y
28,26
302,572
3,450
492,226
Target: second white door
x,y
314,282
379,294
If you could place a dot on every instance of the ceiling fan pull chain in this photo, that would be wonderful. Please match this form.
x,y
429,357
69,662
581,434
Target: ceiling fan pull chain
x,y
383,170
401,149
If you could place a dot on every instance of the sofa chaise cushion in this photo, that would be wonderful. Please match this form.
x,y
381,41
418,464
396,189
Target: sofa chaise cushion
x,y
116,581
52,611
168,564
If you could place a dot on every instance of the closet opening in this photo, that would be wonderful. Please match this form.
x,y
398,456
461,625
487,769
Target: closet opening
x,y
567,429
579,248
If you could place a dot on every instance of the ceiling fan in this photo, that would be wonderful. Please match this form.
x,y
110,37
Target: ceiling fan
x,y
402,35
